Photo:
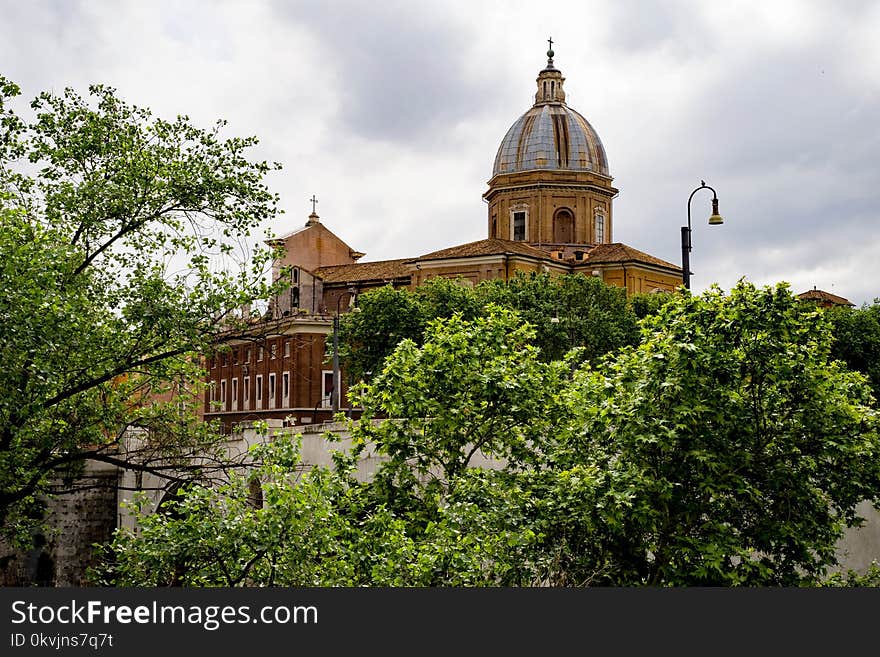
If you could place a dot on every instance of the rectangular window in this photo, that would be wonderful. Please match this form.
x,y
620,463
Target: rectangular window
x,y
519,226
247,355
600,228
271,391
287,347
273,351
258,393
326,388
285,388
235,356
223,395
246,393
224,360
181,401
234,394
260,352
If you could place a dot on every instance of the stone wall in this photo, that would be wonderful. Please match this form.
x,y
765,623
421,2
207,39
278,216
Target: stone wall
x,y
76,521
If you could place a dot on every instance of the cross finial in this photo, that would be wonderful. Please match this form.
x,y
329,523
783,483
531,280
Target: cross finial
x,y
314,200
550,41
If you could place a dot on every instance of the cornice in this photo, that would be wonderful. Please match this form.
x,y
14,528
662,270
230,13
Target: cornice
x,y
620,264
610,192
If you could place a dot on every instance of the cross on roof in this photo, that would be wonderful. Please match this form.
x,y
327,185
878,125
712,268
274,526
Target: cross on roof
x,y
313,200
550,41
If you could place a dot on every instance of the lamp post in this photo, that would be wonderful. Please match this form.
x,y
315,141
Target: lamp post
x,y
714,220
337,377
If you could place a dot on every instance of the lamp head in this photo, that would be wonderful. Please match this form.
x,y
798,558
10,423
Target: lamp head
x,y
715,219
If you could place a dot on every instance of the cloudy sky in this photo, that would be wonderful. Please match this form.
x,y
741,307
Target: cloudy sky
x,y
391,112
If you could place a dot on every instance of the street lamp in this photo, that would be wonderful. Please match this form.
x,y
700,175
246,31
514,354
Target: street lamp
x,y
337,377
714,220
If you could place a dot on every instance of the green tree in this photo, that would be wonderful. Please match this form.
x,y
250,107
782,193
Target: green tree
x,y
425,518
291,533
441,297
567,311
472,386
857,339
735,449
116,268
384,317
308,527
648,303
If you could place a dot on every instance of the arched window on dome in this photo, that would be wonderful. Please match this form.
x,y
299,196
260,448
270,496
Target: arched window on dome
x,y
563,226
599,225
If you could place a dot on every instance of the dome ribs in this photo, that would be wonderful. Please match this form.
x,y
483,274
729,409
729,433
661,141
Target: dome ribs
x,y
551,136
522,147
560,135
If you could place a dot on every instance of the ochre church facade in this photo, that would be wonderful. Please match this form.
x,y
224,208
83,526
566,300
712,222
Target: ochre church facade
x,y
550,209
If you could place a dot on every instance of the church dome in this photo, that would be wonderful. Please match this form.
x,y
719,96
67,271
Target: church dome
x,y
551,135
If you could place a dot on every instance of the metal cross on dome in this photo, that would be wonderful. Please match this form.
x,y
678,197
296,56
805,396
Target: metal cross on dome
x,y
550,41
314,200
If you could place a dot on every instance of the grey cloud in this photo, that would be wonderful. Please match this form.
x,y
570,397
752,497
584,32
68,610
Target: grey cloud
x,y
783,131
405,69
639,26
782,106
791,145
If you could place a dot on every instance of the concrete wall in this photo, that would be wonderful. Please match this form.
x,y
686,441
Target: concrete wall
x,y
861,546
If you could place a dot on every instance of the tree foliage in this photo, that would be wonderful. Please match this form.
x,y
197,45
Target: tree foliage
x,y
739,450
727,448
648,303
473,386
118,244
222,537
384,317
856,341
565,312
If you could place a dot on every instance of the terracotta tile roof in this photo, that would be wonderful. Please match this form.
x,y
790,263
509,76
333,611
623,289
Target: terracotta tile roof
x,y
823,296
491,246
386,270
381,270
618,252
